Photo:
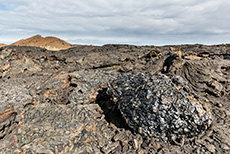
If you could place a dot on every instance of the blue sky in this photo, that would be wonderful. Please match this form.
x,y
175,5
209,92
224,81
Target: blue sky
x,y
145,22
2,7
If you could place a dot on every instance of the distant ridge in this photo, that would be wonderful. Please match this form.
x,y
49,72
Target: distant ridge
x,y
2,45
50,43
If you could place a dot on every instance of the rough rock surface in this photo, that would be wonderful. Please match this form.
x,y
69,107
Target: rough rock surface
x,y
56,102
157,105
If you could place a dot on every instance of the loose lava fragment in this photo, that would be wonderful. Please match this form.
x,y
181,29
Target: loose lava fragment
x,y
160,106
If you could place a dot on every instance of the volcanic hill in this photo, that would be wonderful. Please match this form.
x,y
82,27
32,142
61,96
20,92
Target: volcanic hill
x,y
2,45
50,43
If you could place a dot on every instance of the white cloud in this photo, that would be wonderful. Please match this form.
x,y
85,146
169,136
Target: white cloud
x,y
127,21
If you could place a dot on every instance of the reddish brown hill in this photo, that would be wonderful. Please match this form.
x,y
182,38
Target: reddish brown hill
x,y
2,45
50,43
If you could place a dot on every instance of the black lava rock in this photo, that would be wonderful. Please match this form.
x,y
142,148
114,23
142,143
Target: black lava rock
x,y
157,106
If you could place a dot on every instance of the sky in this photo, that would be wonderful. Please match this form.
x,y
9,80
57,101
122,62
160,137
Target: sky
x,y
139,22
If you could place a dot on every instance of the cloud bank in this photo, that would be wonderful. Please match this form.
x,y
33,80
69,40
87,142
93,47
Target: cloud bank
x,y
130,21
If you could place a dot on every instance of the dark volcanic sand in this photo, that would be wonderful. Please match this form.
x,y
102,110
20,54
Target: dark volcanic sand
x,y
56,101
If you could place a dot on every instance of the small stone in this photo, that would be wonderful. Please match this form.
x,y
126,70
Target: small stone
x,y
136,144
140,152
225,147
210,148
219,105
111,147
